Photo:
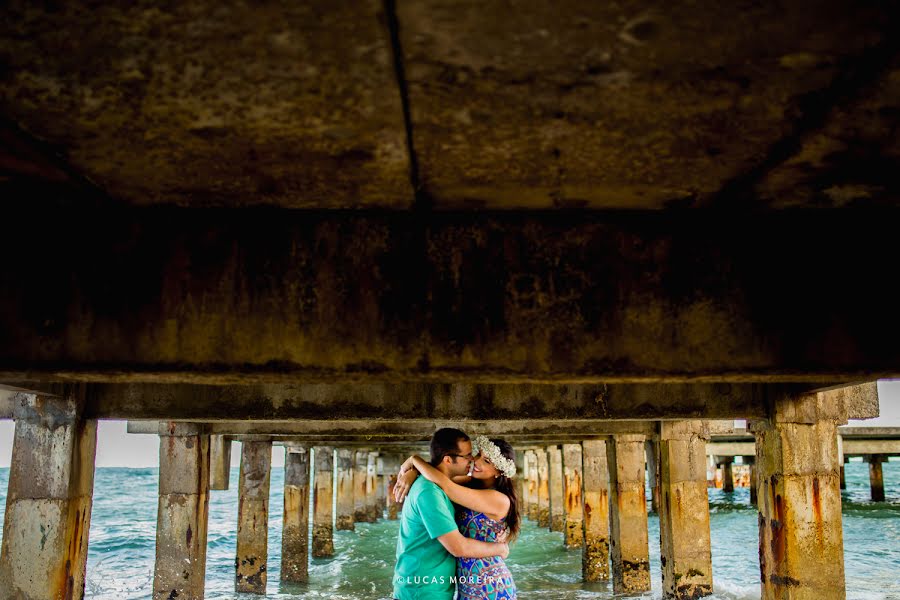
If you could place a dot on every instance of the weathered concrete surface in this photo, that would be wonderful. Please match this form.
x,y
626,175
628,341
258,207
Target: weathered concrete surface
x,y
360,485
413,431
641,298
800,536
295,535
876,476
573,501
543,469
557,490
685,549
518,405
183,513
253,517
322,533
48,505
595,556
534,502
372,513
344,518
234,106
629,550
219,462
553,106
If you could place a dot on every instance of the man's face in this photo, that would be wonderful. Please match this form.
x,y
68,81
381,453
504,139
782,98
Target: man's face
x,y
462,458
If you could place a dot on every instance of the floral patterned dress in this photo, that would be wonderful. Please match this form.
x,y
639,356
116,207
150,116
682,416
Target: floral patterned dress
x,y
482,578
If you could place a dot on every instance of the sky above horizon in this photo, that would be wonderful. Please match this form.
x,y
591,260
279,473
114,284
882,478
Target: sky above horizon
x,y
116,448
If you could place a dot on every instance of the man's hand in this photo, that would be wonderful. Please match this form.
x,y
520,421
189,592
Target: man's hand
x,y
403,483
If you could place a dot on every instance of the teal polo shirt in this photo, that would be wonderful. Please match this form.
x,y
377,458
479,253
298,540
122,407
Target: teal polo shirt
x,y
424,569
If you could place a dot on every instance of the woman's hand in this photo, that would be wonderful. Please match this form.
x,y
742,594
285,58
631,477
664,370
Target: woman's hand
x,y
504,550
406,466
403,483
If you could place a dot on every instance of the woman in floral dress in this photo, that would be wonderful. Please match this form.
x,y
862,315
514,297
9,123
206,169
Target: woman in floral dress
x,y
486,509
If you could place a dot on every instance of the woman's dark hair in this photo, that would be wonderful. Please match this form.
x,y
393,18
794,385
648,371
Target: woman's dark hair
x,y
507,486
445,441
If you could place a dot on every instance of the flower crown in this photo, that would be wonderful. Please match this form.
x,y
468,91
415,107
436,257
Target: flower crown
x,y
481,444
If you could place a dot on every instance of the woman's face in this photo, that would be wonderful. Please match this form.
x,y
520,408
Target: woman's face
x,y
483,469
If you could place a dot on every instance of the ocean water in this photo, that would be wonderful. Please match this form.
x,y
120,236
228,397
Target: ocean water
x,y
122,545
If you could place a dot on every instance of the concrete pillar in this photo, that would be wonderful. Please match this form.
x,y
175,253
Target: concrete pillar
x,y
629,548
253,517
751,460
653,473
372,487
392,466
519,483
572,470
344,519
595,556
219,462
543,488
557,485
360,478
322,534
684,540
876,477
380,488
295,535
801,546
531,461
182,512
48,506
725,463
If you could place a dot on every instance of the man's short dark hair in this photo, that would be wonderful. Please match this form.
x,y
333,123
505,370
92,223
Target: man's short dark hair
x,y
445,441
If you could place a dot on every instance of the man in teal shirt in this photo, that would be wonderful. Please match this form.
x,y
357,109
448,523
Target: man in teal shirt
x,y
429,540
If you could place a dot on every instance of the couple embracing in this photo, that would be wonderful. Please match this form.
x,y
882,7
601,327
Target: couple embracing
x,y
459,516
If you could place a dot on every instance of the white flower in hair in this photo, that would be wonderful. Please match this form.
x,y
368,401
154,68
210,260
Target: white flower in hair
x,y
481,444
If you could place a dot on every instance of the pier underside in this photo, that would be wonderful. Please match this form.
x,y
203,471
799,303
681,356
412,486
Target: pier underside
x,y
594,230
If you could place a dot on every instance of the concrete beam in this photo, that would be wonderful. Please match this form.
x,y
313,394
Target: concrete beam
x,y
643,297
431,402
413,430
864,447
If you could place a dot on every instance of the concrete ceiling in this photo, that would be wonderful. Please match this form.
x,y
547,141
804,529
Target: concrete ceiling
x,y
630,105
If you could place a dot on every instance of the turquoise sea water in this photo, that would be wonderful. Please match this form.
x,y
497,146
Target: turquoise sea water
x,y
123,524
